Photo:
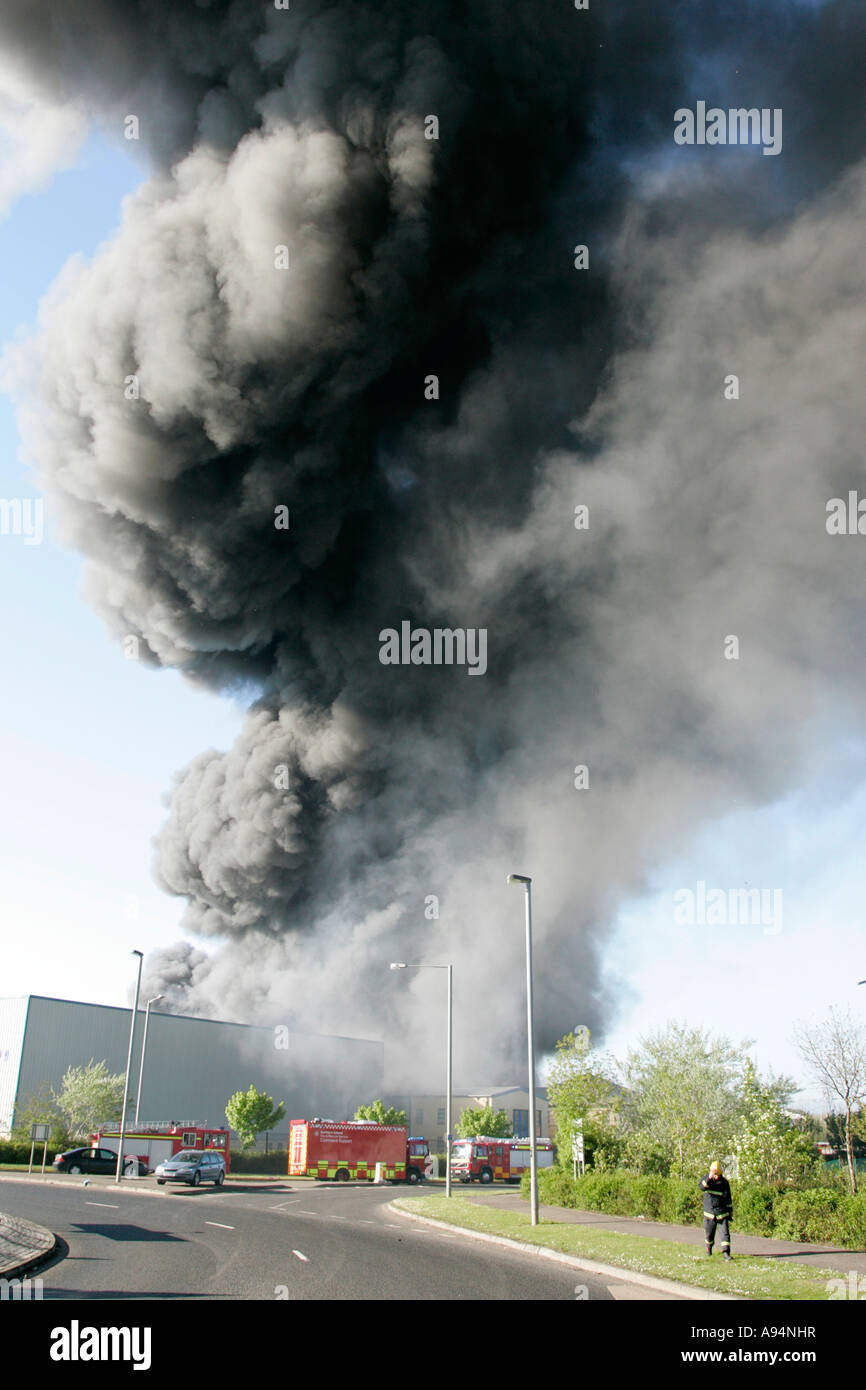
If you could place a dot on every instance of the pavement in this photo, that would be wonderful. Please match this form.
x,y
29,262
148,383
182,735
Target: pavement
x,y
825,1256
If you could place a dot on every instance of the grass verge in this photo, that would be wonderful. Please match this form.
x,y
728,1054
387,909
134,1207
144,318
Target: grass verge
x,y
747,1276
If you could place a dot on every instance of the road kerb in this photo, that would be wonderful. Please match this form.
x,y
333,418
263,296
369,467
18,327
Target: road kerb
x,y
627,1276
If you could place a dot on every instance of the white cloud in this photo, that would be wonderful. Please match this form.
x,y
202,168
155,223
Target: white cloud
x,y
37,137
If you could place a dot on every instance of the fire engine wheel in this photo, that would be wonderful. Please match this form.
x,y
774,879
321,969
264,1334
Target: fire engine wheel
x,y
486,1175
160,1182
342,1175
196,1179
413,1176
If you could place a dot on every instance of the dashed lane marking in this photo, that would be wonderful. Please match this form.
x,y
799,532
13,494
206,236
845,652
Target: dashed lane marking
x,y
221,1224
301,1256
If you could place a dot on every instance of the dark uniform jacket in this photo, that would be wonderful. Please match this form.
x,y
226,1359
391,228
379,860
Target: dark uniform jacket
x,y
717,1196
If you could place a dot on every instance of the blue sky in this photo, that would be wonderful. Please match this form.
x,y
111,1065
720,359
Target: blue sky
x,y
89,743
88,740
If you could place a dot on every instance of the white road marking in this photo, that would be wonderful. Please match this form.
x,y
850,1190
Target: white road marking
x,y
284,1204
221,1224
307,1213
301,1256
114,1205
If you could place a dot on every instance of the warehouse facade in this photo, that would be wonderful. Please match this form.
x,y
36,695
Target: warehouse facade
x,y
192,1065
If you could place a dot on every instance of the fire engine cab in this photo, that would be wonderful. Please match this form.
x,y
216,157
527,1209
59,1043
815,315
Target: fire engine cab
x,y
156,1140
485,1159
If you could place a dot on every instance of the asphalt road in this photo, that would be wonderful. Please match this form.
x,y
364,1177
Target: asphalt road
x,y
293,1240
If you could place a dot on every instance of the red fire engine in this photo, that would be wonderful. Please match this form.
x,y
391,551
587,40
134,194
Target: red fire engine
x,y
352,1148
154,1141
488,1159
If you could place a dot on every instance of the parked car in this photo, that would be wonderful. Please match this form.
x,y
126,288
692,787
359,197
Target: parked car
x,y
193,1166
86,1161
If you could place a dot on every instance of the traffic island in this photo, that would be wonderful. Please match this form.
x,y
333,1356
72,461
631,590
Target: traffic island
x,y
746,1276
23,1246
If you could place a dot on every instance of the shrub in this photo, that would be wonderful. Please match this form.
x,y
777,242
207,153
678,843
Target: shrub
x,y
819,1215
15,1151
754,1209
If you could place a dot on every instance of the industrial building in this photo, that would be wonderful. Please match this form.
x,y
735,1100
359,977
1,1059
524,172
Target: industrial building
x,y
426,1113
192,1065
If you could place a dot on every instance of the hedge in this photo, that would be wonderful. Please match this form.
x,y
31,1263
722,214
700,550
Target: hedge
x,y
12,1151
816,1215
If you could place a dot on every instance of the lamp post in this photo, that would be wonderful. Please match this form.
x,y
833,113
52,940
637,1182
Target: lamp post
x,y
143,1050
401,965
117,1174
526,882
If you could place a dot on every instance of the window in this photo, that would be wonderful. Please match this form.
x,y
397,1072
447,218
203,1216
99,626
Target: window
x,y
440,1115
419,1117
189,1139
440,1143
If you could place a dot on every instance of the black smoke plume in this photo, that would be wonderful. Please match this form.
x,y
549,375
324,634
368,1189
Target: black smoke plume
x,y
357,792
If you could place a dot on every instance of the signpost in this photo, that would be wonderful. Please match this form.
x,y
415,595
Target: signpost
x,y
39,1134
577,1150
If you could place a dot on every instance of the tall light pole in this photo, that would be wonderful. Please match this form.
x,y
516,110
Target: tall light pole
x,y
117,1174
533,1156
401,965
143,1049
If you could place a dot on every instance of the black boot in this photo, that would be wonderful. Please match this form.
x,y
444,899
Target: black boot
x,y
709,1248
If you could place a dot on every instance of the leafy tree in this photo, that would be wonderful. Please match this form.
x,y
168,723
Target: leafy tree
x,y
41,1108
835,1053
834,1131
89,1097
482,1119
683,1095
252,1112
382,1114
580,1087
769,1147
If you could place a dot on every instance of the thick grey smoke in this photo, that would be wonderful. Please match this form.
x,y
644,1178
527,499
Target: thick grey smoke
x,y
357,789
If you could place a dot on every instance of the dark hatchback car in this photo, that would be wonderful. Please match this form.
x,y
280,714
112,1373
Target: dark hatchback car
x,y
86,1161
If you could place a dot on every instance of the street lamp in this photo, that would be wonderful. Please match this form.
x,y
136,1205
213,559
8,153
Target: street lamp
x,y
143,1049
401,965
117,1174
526,882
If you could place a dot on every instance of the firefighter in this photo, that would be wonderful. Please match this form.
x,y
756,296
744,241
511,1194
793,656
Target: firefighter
x,y
718,1209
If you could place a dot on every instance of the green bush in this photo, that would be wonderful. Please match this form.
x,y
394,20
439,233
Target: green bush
x,y
754,1209
819,1215
850,1222
683,1202
14,1151
806,1215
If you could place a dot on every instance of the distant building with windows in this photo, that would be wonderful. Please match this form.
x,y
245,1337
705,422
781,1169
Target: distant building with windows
x,y
426,1113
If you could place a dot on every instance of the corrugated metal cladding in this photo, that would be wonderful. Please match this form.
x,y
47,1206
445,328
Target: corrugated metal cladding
x,y
193,1065
13,1019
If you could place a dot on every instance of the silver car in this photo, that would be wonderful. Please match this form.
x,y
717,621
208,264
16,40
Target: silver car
x,y
193,1166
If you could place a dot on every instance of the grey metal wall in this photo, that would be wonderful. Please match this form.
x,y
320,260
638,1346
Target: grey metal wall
x,y
194,1065
13,1017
